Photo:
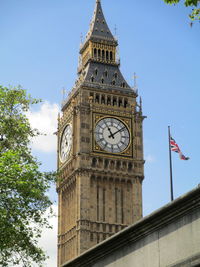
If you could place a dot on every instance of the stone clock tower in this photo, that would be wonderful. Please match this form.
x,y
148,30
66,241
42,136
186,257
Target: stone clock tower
x,y
100,148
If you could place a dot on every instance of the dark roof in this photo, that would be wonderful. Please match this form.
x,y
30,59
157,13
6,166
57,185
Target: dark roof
x,y
98,26
105,75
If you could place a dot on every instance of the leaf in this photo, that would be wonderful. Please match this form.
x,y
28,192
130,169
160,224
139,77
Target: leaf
x,y
23,199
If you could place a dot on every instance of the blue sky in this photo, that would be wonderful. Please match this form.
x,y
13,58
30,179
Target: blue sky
x,y
39,50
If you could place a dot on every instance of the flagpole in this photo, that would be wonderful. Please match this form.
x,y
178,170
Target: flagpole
x,y
170,164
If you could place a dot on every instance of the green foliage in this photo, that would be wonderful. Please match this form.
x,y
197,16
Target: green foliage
x,y
195,15
23,199
172,1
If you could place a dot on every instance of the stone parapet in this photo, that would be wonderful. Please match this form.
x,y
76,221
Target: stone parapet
x,y
169,236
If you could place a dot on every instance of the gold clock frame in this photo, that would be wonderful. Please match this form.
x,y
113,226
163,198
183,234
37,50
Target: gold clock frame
x,y
127,121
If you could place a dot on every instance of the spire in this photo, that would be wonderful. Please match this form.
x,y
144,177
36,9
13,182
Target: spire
x,y
99,29
99,64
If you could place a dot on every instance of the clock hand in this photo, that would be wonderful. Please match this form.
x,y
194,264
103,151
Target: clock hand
x,y
111,134
117,132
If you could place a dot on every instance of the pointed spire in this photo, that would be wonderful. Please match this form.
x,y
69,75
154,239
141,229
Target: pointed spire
x,y
98,26
99,65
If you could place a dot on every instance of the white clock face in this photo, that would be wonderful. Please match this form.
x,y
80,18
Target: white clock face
x,y
66,143
112,135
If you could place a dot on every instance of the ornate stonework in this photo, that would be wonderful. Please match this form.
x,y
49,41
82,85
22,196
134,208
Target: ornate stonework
x,y
100,192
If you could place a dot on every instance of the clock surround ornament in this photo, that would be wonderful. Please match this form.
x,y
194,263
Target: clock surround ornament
x,y
112,135
66,143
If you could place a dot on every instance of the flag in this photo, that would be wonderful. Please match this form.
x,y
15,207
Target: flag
x,y
174,147
183,157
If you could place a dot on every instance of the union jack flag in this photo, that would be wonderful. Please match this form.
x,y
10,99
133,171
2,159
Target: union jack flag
x,y
174,147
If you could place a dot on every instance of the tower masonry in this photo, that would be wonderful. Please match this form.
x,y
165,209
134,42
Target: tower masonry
x,y
100,148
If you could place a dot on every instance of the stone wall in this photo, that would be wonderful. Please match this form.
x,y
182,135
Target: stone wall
x,y
168,237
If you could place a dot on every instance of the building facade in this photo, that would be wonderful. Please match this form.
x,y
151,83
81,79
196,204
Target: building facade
x,y
169,237
100,148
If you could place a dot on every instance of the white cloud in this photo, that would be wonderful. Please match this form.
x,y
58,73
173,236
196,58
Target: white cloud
x,y
150,159
48,240
45,120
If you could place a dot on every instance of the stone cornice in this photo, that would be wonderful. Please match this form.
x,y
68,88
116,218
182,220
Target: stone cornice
x,y
155,221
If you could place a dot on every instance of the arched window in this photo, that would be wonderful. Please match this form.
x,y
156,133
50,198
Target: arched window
x,y
124,165
120,102
114,101
99,53
125,103
103,99
118,165
100,163
113,82
111,55
130,166
107,55
94,162
95,52
112,164
106,163
97,98
106,73
108,100
115,75
103,54
92,79
102,80
96,71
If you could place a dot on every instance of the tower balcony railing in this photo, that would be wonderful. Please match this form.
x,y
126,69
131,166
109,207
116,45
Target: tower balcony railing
x,y
106,60
97,59
70,94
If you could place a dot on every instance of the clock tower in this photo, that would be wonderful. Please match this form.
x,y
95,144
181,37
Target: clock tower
x,y
100,148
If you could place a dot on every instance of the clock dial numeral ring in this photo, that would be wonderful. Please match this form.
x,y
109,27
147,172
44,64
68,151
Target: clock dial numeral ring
x,y
112,135
66,143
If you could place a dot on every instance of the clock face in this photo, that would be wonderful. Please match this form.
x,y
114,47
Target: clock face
x,y
112,135
66,143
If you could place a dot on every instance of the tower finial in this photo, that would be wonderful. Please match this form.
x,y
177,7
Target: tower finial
x,y
115,31
135,81
63,93
81,38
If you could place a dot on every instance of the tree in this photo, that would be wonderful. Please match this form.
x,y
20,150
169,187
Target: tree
x,y
195,14
23,199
